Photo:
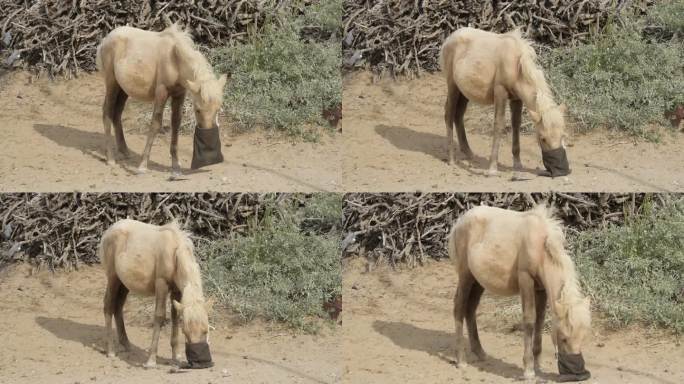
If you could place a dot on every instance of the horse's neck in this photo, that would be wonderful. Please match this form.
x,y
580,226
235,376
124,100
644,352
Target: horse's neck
x,y
554,280
187,273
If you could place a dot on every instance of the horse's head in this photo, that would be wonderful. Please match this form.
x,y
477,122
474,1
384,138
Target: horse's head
x,y
550,126
207,98
571,325
193,311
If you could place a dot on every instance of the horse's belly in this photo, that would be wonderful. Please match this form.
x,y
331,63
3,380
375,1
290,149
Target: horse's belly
x,y
493,269
136,77
474,79
136,272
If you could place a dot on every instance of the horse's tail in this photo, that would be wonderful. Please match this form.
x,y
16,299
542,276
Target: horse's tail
x,y
98,56
446,55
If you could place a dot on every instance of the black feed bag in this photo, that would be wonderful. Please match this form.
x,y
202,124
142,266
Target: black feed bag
x,y
206,147
198,356
571,367
556,162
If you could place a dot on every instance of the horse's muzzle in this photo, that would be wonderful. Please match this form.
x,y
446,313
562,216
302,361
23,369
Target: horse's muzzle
x,y
206,147
556,162
571,367
198,355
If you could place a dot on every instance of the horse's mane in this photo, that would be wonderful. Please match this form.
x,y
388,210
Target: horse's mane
x,y
188,274
571,298
201,69
532,73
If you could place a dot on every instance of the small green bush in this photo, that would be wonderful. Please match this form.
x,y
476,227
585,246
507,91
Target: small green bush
x,y
635,272
280,81
282,270
622,80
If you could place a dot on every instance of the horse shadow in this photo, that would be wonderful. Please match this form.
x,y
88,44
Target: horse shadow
x,y
92,336
92,144
435,145
435,343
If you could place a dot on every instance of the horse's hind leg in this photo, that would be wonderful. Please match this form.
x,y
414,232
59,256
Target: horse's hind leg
x,y
111,94
175,325
540,304
121,146
471,319
176,114
160,97
118,316
527,294
111,291
465,282
459,112
516,116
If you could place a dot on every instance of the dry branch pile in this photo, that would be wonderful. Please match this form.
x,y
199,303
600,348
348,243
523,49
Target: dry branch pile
x,y
63,229
412,227
405,36
61,36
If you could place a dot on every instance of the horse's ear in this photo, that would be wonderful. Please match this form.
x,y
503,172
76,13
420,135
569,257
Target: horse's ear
x,y
222,80
178,306
536,117
193,86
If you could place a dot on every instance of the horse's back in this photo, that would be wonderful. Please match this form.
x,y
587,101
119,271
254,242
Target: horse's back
x,y
494,239
133,251
475,60
131,56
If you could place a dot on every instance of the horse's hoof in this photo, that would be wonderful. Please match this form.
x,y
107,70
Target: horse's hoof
x,y
111,162
141,170
176,175
492,172
529,375
481,356
150,365
461,364
111,354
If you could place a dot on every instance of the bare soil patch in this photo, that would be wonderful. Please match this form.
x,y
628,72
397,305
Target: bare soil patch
x,y
395,140
53,141
398,327
53,332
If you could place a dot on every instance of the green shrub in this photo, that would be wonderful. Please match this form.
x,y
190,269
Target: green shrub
x,y
635,272
282,270
622,80
667,19
280,81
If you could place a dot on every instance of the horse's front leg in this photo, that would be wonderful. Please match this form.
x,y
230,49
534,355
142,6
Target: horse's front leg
x,y
527,294
500,97
540,304
516,117
175,326
160,97
176,113
161,293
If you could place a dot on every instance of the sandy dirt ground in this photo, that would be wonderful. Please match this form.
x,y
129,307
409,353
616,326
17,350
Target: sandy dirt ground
x,y
52,329
53,141
394,140
398,328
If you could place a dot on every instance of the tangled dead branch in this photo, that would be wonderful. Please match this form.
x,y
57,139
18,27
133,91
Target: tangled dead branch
x,y
63,229
60,37
405,227
404,36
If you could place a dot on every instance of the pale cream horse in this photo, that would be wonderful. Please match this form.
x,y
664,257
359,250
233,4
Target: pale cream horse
x,y
490,68
153,261
153,67
508,253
